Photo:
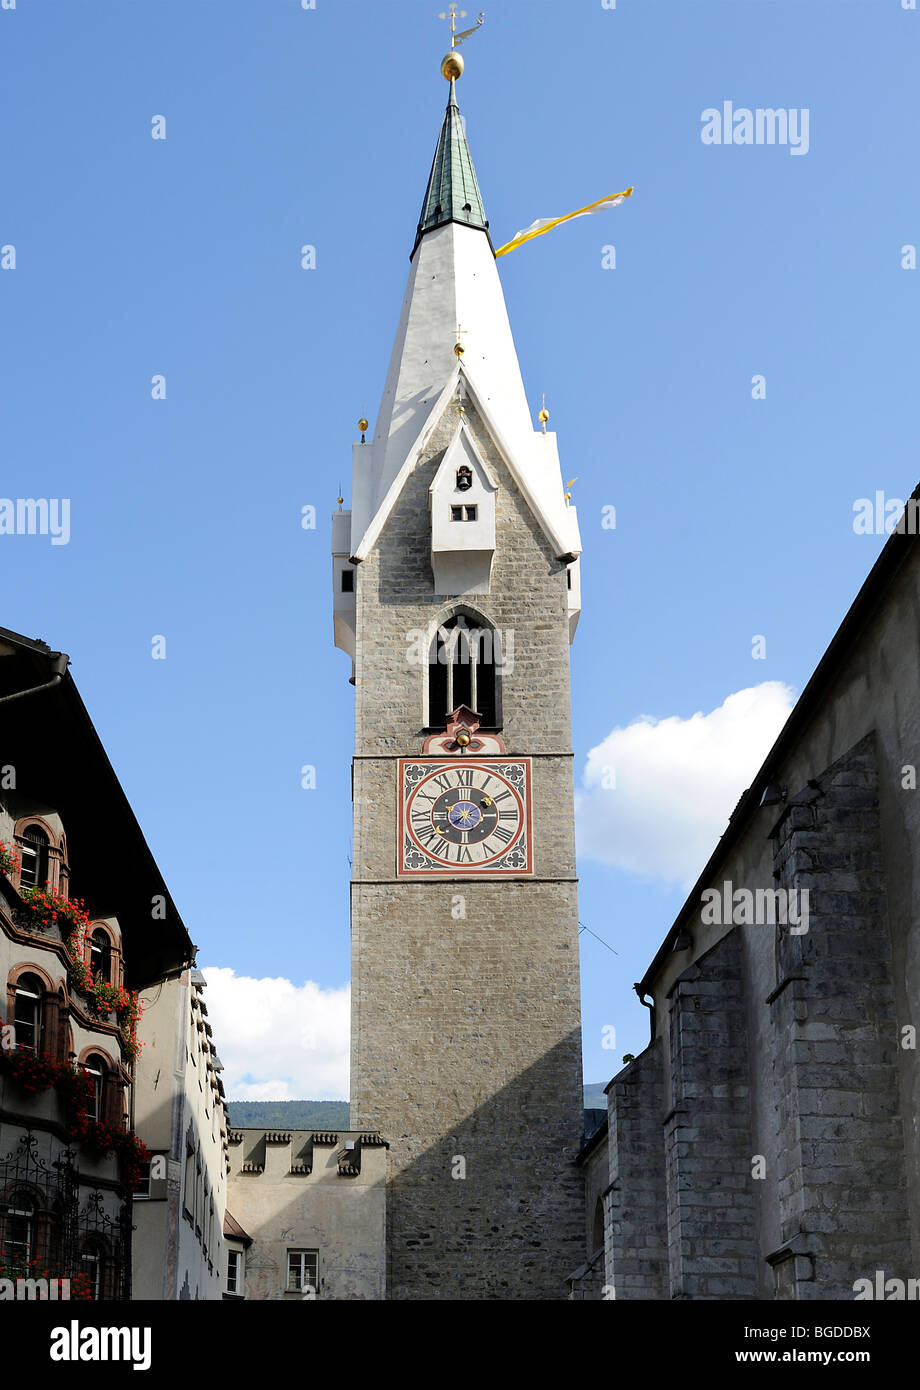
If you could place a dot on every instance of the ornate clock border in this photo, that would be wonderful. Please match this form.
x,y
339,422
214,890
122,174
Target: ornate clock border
x,y
464,812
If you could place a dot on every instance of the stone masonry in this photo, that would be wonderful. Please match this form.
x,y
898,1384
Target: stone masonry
x,y
466,1023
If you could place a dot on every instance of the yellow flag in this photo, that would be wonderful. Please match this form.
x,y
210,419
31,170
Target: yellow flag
x,y
546,224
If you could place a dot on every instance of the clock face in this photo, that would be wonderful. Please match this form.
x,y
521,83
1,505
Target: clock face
x,y
464,817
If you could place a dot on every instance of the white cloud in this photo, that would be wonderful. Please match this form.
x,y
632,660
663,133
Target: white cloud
x,y
278,1040
676,784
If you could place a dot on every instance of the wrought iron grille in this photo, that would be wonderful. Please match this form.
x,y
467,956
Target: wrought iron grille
x,y
51,1225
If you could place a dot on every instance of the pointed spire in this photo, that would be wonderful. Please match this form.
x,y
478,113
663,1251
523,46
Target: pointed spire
x,y
453,192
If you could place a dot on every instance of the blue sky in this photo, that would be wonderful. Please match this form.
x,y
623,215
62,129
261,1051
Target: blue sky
x,y
285,127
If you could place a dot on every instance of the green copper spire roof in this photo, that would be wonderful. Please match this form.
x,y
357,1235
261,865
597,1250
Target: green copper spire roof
x,y
453,192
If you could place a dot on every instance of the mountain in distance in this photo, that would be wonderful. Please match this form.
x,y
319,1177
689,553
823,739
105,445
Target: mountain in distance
x,y
331,1114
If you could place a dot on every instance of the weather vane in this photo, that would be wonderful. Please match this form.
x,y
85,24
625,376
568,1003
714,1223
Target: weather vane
x,y
452,64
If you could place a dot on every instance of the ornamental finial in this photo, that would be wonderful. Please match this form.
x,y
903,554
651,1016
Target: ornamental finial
x,y
452,62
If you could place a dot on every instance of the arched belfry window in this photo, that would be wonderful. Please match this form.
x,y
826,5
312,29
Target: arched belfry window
x,y
463,669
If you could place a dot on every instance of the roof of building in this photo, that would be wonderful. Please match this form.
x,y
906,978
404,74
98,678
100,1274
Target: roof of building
x,y
453,192
595,1133
60,761
233,1230
899,547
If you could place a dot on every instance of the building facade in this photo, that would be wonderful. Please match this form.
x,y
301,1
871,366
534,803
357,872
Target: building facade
x,y
765,1145
307,1215
456,595
86,926
181,1116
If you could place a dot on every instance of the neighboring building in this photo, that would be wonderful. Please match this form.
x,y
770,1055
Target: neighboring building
x,y
69,840
182,1118
765,1144
456,595
308,1215
236,1243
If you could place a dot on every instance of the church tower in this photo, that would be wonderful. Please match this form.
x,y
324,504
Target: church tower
x,y
456,582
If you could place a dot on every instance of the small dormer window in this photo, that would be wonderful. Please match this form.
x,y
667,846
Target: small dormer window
x,y
463,513
464,478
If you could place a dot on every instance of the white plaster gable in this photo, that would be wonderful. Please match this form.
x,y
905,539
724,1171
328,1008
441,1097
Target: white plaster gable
x,y
533,464
463,450
462,520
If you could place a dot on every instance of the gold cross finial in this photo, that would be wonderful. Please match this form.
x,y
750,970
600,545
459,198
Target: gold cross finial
x,y
543,414
459,349
453,13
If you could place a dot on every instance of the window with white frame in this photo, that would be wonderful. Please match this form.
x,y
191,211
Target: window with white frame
x,y
95,1068
30,993
236,1271
101,956
34,846
142,1191
302,1268
17,1227
189,1194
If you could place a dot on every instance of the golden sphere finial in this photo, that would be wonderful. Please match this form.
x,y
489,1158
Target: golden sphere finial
x,y
362,424
463,738
452,65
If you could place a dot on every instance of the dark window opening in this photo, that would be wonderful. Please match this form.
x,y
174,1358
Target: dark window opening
x,y
463,670
101,956
348,581
34,871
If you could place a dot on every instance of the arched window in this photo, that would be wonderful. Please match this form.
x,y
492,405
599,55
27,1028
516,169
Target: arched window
x,y
34,846
96,1068
17,1225
101,956
30,995
463,670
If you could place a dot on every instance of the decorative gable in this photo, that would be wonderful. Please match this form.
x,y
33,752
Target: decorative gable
x,y
462,504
